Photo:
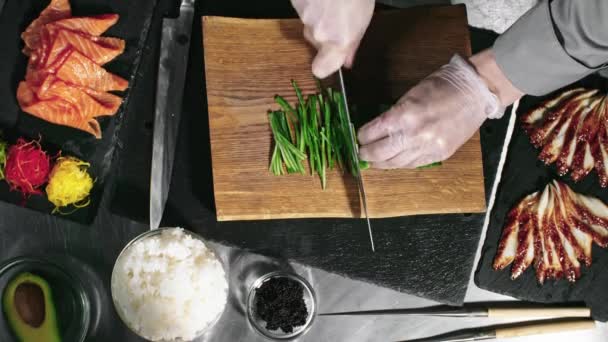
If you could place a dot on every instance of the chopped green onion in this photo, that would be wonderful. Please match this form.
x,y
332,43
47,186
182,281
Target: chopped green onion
x,y
428,166
316,129
363,165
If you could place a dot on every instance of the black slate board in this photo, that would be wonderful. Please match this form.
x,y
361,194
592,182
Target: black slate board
x,y
429,256
133,26
523,174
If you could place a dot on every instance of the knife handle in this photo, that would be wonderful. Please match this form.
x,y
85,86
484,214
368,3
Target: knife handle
x,y
544,328
561,312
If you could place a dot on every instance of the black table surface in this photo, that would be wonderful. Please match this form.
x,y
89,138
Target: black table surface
x,y
339,246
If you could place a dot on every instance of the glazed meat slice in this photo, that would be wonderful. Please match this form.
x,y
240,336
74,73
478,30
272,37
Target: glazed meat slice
x,y
570,131
554,230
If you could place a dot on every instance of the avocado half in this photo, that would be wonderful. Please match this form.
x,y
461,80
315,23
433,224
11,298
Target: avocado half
x,y
28,304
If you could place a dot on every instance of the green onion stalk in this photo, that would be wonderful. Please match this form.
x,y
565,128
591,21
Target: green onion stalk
x,y
315,129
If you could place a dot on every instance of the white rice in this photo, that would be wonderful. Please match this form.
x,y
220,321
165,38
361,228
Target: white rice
x,y
169,286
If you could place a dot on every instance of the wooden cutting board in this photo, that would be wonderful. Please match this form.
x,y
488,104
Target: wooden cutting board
x,y
248,61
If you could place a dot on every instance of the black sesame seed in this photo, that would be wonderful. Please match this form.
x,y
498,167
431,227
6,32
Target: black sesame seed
x,y
280,303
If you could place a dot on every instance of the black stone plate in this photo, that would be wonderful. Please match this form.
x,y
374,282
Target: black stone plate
x,y
522,175
133,26
428,256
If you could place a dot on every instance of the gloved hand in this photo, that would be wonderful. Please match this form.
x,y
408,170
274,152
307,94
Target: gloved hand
x,y
335,28
431,121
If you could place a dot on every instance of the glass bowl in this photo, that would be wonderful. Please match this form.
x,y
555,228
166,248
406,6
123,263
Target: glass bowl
x,y
150,234
259,324
71,301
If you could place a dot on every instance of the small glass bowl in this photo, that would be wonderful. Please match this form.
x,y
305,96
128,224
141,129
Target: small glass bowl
x,y
150,234
259,324
71,301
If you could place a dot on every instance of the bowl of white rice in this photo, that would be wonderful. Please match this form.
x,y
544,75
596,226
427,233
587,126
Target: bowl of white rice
x,y
168,285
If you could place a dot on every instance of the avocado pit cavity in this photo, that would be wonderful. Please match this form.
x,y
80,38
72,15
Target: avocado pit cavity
x,y
29,303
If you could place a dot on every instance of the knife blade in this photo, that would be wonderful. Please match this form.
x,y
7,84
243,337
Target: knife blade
x,y
444,311
497,311
355,159
173,61
459,336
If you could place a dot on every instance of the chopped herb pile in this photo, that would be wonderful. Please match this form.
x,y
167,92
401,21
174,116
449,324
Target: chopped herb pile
x,y
317,130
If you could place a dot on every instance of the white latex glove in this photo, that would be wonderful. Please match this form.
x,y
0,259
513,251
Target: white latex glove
x,y
335,28
431,121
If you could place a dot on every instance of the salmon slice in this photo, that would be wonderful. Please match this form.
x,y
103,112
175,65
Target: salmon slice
x,y
80,70
25,94
94,25
100,50
35,74
56,10
89,106
105,99
57,111
65,82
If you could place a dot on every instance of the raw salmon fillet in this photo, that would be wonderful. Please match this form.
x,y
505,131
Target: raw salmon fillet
x,y
65,82
57,9
90,105
80,70
100,50
107,100
56,110
94,26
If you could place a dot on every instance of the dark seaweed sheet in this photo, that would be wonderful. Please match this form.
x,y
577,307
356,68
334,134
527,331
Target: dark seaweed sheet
x,y
133,26
522,175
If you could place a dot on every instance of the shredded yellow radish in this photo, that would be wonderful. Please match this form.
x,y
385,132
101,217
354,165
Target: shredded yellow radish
x,y
69,183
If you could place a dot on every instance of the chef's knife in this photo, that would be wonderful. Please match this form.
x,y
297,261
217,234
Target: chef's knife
x,y
517,330
355,159
174,49
478,311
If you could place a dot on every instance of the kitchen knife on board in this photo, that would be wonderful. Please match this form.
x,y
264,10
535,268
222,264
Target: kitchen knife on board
x,y
174,50
355,159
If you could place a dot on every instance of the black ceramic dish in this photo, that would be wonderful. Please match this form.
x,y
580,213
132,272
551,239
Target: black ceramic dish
x,y
133,26
522,175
